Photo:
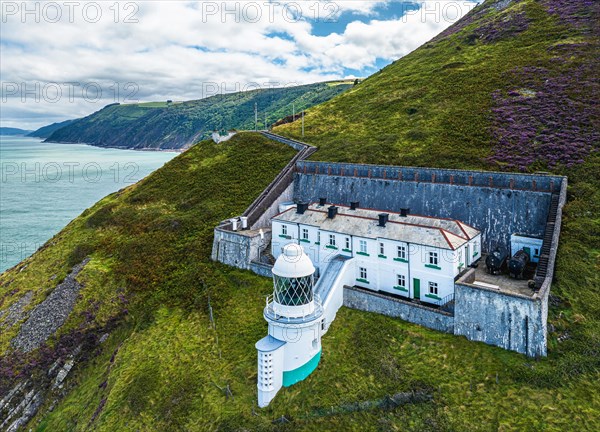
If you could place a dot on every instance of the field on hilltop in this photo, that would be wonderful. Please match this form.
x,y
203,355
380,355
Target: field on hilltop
x,y
509,87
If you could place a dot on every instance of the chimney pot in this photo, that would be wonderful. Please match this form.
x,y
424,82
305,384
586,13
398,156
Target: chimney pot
x,y
331,212
301,207
383,218
322,201
404,212
354,205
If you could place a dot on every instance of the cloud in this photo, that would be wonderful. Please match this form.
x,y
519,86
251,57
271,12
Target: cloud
x,y
179,50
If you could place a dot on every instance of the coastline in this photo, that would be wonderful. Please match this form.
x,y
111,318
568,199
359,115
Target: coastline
x,y
149,149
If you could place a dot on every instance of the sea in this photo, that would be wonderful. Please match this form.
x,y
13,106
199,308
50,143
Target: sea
x,y
43,186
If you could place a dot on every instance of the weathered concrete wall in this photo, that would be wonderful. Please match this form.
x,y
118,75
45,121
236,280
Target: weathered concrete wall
x,y
360,299
510,322
498,204
261,269
265,219
562,200
236,249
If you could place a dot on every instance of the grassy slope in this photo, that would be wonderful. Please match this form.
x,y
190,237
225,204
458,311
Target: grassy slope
x,y
160,368
156,125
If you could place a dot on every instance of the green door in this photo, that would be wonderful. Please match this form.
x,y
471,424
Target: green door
x,y
417,288
527,251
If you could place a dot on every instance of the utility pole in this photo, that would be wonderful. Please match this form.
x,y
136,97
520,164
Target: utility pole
x,y
303,124
255,116
293,112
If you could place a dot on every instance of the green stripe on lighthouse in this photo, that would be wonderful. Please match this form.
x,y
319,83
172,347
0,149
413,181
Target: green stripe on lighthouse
x,y
295,376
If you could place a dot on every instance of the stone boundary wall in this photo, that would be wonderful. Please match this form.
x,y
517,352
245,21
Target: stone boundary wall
x,y
261,269
357,298
265,219
512,322
236,249
484,200
562,200
502,180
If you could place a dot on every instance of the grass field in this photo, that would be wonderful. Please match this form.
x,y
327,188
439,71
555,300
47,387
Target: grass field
x,y
150,279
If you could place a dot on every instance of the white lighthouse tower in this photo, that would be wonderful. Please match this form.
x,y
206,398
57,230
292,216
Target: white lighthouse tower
x,y
292,349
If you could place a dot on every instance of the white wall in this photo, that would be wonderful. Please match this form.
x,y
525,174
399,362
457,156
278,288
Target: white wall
x,y
383,269
518,242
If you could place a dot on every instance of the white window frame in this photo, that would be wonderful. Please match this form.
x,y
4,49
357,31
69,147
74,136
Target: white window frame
x,y
401,251
381,248
331,239
284,230
434,288
363,274
433,258
348,246
401,280
362,246
305,233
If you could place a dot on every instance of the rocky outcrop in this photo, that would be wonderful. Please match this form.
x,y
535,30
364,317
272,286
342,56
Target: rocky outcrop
x,y
51,314
15,312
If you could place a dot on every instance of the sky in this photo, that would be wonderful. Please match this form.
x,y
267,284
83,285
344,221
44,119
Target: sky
x,y
63,60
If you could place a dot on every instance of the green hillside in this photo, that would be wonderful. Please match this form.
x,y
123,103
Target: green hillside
x,y
46,131
151,286
179,125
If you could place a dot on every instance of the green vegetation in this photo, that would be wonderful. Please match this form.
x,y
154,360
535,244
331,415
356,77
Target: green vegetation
x,y
12,131
164,365
179,125
46,131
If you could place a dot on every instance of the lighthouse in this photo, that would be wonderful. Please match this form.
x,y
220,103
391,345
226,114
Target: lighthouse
x,y
292,348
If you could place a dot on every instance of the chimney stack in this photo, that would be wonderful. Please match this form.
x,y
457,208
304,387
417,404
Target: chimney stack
x,y
354,205
301,207
332,211
383,218
244,220
404,212
322,201
234,224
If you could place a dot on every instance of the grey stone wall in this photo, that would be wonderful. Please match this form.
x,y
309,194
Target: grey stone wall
x,y
360,299
237,249
498,204
265,219
261,269
562,200
511,322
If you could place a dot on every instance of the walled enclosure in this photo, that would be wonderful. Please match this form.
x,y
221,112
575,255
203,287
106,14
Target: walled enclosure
x,y
498,204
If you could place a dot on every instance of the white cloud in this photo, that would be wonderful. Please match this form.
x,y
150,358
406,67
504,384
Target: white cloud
x,y
176,50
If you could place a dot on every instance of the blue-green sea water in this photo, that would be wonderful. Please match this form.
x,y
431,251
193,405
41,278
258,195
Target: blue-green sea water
x,y
43,186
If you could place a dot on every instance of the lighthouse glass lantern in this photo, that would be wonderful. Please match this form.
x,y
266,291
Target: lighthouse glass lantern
x,y
293,280
292,348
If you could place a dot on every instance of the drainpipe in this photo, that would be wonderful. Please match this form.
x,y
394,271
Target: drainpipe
x,y
410,284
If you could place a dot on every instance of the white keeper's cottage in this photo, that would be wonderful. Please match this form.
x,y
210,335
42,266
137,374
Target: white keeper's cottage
x,y
412,256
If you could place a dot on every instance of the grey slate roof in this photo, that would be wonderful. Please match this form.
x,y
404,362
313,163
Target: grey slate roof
x,y
424,230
